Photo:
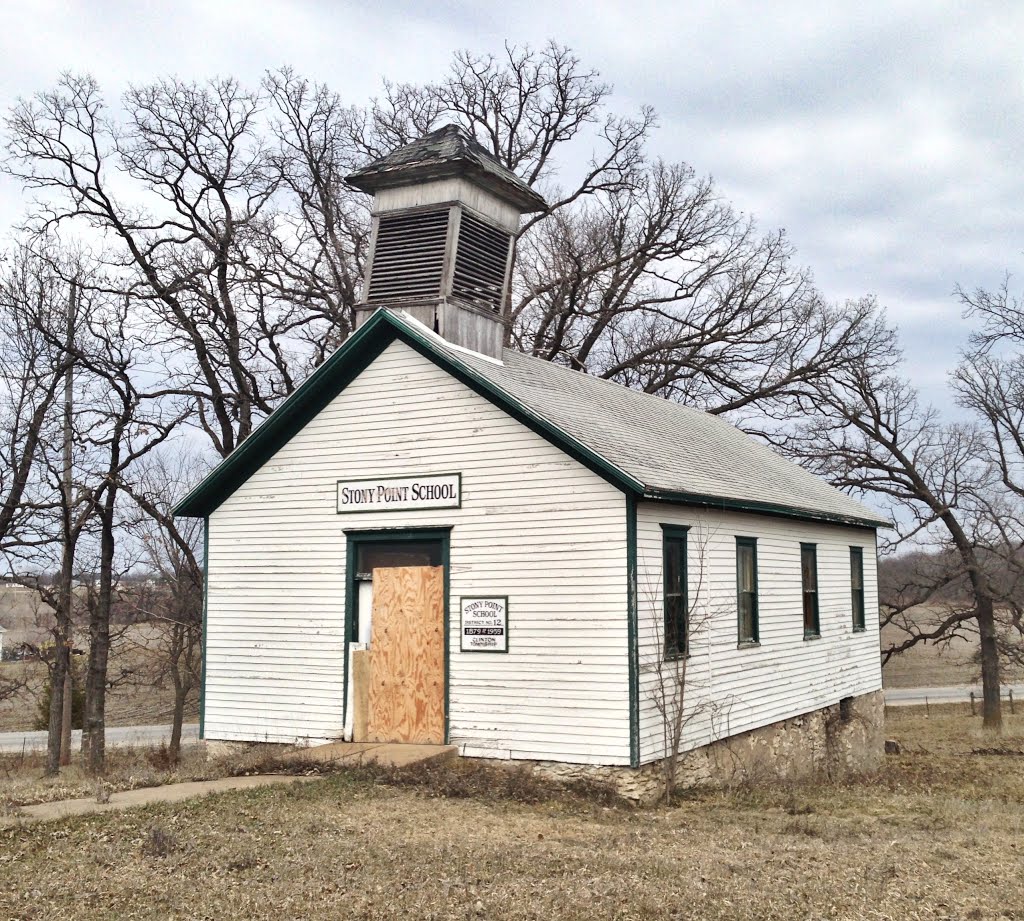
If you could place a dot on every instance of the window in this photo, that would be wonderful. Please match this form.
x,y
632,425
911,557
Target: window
x,y
676,602
857,586
383,554
746,588
809,579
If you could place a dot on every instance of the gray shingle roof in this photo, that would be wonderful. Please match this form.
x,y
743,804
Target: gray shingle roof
x,y
450,150
668,447
644,444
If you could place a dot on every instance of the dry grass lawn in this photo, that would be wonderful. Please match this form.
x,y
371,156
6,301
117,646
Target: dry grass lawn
x,y
937,834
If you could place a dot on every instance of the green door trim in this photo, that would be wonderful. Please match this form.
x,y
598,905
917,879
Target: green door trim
x,y
353,538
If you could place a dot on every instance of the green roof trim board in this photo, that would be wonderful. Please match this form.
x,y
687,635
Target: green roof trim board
x,y
649,447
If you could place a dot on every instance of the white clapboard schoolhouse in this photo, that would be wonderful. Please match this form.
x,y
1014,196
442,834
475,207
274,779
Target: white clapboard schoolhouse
x,y
439,539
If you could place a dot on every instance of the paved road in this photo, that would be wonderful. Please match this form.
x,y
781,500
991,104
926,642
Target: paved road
x,y
154,735
116,735
906,697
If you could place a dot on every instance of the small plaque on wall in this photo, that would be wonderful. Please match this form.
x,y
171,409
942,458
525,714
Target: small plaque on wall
x,y
484,624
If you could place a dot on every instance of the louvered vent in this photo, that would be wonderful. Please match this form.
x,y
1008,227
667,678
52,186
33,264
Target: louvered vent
x,y
480,263
408,260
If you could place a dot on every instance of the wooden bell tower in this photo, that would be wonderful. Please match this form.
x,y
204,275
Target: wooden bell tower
x,y
445,217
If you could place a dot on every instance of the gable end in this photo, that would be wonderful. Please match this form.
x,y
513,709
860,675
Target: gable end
x,y
334,376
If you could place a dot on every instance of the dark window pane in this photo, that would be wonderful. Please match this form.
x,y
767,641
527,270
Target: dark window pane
x,y
675,628
746,564
672,566
389,554
746,589
808,557
810,617
746,617
809,578
857,586
675,600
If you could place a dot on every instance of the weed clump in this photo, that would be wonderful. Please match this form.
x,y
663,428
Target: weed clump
x,y
159,843
466,778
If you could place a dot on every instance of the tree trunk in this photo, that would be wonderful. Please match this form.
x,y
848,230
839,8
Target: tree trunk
x,y
180,693
65,716
99,636
56,750
61,656
992,705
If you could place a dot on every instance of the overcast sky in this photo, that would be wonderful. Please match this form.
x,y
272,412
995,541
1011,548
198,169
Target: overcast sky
x,y
885,137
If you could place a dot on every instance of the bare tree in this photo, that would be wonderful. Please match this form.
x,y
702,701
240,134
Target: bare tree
x,y
872,436
201,171
673,688
126,422
40,309
32,373
319,261
638,271
174,598
989,382
990,378
248,247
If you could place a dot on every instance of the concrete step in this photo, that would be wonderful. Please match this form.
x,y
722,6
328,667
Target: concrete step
x,y
388,754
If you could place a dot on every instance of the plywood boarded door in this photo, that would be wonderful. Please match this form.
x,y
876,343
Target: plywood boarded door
x,y
406,696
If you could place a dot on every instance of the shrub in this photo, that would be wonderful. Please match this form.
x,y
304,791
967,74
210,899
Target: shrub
x,y
77,702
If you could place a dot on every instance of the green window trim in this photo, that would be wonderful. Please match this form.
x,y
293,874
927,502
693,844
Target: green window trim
x,y
747,614
675,599
857,589
809,591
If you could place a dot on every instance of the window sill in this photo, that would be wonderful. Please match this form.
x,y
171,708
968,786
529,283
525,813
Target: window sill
x,y
748,644
860,629
676,657
812,636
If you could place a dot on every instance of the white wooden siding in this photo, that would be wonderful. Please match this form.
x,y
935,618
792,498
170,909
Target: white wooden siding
x,y
534,525
731,689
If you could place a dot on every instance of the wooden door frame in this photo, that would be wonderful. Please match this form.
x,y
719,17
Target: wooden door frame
x,y
356,536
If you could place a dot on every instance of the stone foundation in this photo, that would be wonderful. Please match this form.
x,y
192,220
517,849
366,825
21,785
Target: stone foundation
x,y
215,749
837,741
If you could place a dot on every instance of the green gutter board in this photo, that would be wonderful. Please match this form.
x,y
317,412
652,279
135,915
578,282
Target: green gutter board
x,y
760,508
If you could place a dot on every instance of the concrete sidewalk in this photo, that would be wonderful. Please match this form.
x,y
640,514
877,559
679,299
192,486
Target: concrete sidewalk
x,y
127,799
389,754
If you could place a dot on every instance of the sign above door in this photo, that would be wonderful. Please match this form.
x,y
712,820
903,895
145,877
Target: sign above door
x,y
400,493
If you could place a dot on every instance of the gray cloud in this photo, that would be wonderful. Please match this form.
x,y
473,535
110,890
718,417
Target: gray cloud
x,y
884,137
